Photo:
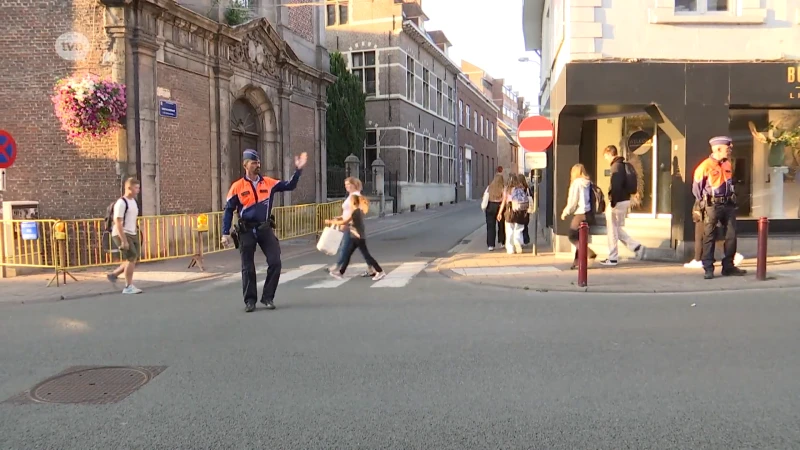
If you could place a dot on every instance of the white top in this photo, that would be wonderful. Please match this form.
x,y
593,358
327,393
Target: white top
x,y
128,219
347,206
578,200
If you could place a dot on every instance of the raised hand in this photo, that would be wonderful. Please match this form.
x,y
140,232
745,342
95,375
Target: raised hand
x,y
300,161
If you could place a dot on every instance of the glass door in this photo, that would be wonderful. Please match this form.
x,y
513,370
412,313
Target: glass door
x,y
640,147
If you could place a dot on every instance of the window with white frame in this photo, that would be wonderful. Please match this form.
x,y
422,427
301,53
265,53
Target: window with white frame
x,y
451,164
412,157
363,67
702,6
491,132
487,129
426,89
439,102
468,117
451,103
439,161
370,148
475,120
481,123
426,158
461,166
461,112
410,79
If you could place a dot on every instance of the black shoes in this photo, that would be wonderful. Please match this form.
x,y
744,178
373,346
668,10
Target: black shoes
x,y
732,272
709,275
268,304
250,307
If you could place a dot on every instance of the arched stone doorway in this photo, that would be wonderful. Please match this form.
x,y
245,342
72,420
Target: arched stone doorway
x,y
245,132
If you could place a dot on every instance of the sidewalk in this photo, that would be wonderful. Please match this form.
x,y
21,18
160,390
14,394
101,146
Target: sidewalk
x,y
473,263
93,282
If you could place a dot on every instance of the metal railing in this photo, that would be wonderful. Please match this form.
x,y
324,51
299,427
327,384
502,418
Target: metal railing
x,y
84,243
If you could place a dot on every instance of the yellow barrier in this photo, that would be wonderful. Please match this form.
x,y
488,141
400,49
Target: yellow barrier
x,y
64,245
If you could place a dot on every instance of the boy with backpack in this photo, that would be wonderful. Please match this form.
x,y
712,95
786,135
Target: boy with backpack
x,y
122,223
624,183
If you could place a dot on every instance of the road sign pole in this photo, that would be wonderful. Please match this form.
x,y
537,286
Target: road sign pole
x,y
535,178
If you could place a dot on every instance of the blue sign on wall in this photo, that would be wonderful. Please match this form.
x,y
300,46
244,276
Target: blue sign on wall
x,y
29,231
168,109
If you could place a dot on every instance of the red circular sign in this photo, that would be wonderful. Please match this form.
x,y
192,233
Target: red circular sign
x,y
8,150
535,134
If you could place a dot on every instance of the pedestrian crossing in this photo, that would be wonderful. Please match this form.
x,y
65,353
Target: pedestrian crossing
x,y
397,276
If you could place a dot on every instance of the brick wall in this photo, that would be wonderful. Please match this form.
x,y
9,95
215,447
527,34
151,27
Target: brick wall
x,y
301,19
184,147
302,123
69,181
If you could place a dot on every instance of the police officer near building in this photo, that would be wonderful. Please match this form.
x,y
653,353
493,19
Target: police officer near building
x,y
251,197
713,190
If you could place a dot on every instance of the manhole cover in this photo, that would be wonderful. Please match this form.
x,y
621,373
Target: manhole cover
x,y
89,385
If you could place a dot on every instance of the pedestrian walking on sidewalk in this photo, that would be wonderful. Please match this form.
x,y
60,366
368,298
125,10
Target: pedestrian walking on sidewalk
x,y
251,197
125,234
492,199
513,211
624,183
526,237
358,239
713,189
579,205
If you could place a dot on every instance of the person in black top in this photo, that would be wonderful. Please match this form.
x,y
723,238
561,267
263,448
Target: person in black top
x,y
358,239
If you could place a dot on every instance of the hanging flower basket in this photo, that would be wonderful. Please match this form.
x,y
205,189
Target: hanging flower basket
x,y
89,107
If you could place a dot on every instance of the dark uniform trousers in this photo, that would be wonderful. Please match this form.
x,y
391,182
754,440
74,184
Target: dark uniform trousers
x,y
724,215
264,237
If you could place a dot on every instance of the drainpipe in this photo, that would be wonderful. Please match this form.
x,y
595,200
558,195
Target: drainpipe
x,y
136,114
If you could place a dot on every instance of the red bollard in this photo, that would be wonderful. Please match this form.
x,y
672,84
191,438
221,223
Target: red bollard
x,y
761,257
583,254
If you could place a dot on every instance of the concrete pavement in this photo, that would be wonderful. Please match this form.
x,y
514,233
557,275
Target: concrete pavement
x,y
433,364
472,263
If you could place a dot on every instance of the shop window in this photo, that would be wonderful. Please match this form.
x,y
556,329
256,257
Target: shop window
x,y
766,162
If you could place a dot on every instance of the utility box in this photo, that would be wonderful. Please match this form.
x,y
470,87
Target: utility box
x,y
20,236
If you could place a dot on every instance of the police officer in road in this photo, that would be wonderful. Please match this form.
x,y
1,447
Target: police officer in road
x,y
251,196
713,190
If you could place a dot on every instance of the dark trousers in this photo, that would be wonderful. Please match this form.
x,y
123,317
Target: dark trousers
x,y
265,238
574,235
699,229
495,230
720,214
360,244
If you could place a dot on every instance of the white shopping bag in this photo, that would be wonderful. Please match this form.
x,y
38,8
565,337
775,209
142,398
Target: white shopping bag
x,y
330,240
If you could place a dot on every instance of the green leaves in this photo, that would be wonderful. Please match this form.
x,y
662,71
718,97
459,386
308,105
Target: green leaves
x,y
346,128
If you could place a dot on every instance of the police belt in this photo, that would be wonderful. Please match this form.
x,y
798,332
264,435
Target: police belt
x,y
245,226
709,200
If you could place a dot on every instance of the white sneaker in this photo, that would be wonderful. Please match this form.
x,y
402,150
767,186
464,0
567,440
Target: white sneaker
x,y
379,276
517,248
694,264
608,262
131,290
336,274
491,249
737,259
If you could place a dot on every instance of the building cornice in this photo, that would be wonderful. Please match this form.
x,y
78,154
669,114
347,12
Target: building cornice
x,y
421,38
463,78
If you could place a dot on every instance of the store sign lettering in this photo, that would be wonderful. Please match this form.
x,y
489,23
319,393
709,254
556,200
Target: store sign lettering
x,y
793,80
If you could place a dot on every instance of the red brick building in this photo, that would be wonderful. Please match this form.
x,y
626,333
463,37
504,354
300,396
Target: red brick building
x,y
233,88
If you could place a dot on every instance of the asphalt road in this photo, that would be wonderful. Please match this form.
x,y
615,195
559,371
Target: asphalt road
x,y
432,365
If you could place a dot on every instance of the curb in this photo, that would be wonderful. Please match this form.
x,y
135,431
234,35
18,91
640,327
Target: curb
x,y
764,286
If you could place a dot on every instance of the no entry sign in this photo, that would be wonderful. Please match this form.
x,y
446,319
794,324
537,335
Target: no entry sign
x,y
535,134
8,150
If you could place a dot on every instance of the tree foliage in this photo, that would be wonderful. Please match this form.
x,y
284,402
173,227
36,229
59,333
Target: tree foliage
x,y
346,128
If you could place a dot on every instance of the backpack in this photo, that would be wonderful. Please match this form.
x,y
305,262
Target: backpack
x,y
631,179
110,214
519,200
597,200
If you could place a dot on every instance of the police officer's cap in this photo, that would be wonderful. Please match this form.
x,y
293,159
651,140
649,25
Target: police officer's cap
x,y
720,140
250,155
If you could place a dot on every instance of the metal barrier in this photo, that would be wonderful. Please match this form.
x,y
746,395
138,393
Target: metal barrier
x,y
64,245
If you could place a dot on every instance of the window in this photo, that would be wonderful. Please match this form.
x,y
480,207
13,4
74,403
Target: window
x,y
343,14
461,166
451,103
461,112
468,116
370,148
491,132
426,159
450,165
487,129
363,67
330,10
439,161
410,81
475,120
701,6
426,89
331,15
767,175
439,103
412,157
482,120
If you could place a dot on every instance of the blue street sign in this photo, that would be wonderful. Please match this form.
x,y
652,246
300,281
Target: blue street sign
x,y
29,231
167,109
8,150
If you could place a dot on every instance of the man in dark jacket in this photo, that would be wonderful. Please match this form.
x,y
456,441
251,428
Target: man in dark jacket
x,y
619,198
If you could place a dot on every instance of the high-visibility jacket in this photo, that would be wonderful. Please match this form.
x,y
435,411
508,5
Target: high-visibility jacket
x,y
713,178
252,199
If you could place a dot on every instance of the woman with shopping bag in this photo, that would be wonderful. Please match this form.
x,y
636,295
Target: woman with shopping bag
x,y
358,237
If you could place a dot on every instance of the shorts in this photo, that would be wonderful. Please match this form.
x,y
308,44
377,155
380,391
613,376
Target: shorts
x,y
134,247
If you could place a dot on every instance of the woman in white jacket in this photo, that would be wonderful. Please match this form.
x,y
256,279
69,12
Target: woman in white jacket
x,y
578,205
